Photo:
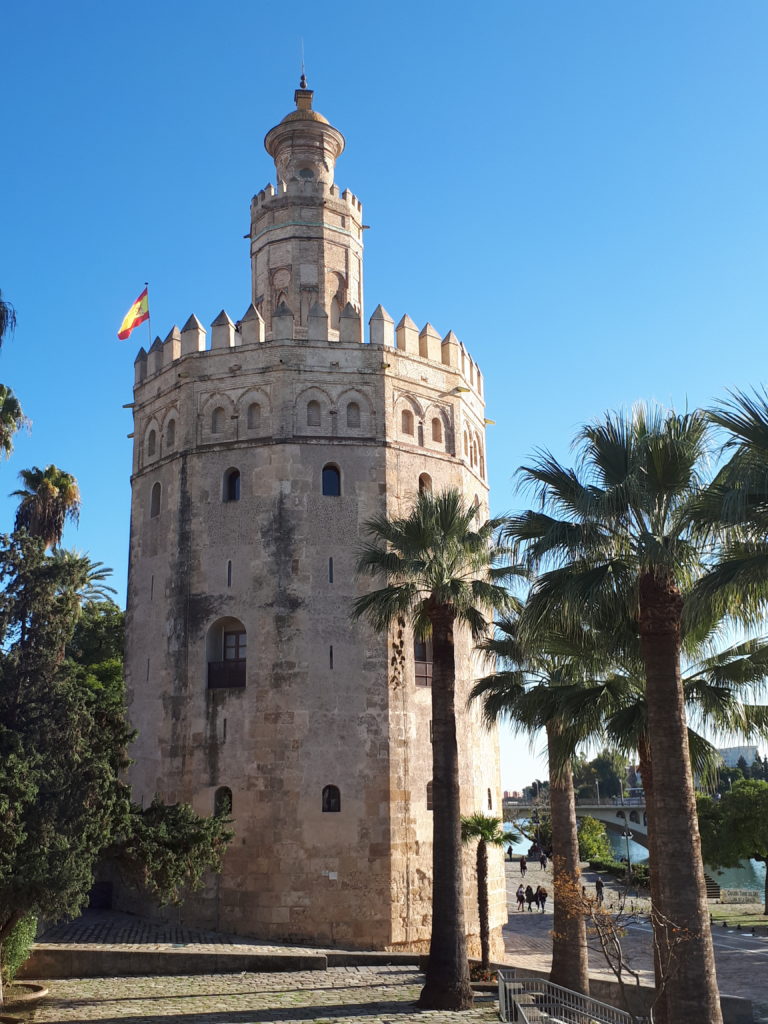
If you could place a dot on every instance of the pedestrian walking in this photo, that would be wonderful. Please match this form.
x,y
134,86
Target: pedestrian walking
x,y
529,897
543,862
599,890
542,898
523,865
520,897
509,853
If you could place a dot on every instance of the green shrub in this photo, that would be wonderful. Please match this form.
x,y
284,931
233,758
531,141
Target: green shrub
x,y
638,874
16,947
593,840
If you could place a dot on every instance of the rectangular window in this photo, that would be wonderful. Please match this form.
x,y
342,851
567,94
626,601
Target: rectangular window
x,y
234,646
422,659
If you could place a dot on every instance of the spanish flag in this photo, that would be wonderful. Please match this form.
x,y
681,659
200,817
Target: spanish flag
x,y
137,314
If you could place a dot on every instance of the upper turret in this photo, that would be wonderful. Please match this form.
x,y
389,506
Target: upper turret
x,y
304,145
306,236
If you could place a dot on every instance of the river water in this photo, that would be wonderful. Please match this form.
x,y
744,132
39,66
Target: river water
x,y
749,875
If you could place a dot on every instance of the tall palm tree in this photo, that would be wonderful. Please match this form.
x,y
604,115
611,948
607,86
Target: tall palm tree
x,y
49,497
614,540
527,692
11,418
440,573
487,831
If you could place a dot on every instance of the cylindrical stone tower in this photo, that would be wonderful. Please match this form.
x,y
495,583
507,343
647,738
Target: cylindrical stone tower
x,y
256,464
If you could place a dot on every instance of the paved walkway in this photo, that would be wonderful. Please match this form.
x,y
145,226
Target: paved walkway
x,y
340,995
741,959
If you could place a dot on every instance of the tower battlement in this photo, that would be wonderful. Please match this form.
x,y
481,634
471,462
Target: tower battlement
x,y
248,336
300,187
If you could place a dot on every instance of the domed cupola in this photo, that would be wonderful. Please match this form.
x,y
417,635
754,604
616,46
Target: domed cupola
x,y
304,145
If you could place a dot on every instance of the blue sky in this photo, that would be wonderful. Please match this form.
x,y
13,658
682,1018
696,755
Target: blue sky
x,y
577,189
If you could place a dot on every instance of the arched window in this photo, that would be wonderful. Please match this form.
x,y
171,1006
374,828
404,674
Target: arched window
x,y
217,420
254,416
232,485
170,435
154,500
466,444
151,443
307,174
353,415
331,482
226,648
437,430
222,802
430,806
406,421
422,661
425,484
313,414
331,799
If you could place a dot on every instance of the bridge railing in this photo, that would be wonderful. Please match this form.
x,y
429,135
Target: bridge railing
x,y
529,1000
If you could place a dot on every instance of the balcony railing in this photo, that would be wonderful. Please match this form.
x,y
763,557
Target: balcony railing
x,y
223,675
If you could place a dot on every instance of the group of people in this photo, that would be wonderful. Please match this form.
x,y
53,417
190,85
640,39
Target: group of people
x,y
524,862
527,895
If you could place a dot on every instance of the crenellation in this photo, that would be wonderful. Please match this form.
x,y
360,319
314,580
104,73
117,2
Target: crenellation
x,y
140,366
382,328
407,335
192,336
172,346
430,343
350,324
282,323
317,329
449,350
252,326
223,334
155,359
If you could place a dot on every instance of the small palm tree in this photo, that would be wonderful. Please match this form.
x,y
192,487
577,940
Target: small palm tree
x,y
440,573
528,692
487,831
49,497
86,579
11,418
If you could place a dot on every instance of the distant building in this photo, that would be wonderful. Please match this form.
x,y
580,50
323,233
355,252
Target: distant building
x,y
731,755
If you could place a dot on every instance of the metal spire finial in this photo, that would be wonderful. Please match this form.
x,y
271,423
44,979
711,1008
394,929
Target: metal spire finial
x,y
303,79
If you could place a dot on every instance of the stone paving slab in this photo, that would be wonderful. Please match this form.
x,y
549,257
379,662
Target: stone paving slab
x,y
342,995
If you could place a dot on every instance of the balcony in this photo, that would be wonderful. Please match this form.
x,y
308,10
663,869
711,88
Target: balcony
x,y
226,675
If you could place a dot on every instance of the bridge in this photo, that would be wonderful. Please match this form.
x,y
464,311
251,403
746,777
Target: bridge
x,y
618,816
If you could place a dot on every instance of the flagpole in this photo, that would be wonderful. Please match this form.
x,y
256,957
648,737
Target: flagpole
x,y
149,318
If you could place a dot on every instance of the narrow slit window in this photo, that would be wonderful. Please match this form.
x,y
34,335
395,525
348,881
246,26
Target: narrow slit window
x,y
229,573
152,587
232,485
154,500
151,443
430,796
490,801
330,656
330,570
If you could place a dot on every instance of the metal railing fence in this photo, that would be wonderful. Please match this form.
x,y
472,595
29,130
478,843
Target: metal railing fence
x,y
537,1001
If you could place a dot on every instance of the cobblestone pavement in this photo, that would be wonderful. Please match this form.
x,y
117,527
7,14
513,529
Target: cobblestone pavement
x,y
340,995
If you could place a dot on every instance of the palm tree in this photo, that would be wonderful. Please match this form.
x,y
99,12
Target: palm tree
x,y
528,693
7,318
11,418
440,573
615,542
487,831
49,497
85,579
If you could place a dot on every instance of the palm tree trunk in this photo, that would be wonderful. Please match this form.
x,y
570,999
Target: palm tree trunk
x,y
660,952
447,985
691,984
482,905
570,967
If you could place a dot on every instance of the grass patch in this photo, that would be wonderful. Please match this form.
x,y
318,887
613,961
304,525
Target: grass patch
x,y
736,913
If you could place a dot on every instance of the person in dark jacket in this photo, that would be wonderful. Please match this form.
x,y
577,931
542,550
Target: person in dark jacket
x,y
529,897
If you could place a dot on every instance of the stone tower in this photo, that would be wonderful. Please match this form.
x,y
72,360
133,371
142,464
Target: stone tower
x,y
256,462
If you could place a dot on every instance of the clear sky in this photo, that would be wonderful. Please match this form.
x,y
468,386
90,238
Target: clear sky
x,y
577,189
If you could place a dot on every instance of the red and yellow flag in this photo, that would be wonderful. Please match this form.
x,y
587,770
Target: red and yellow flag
x,y
137,314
